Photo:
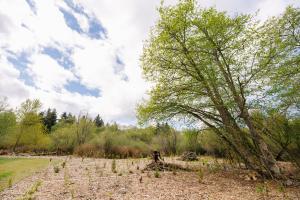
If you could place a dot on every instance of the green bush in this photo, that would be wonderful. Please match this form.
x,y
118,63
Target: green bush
x,y
119,144
64,140
212,144
191,141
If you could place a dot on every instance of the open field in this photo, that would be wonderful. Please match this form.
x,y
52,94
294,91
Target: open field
x,y
14,169
94,179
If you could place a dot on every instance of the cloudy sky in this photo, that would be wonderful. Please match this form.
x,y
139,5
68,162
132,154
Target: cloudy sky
x,y
83,55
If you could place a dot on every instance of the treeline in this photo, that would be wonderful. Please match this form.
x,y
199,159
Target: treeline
x,y
28,130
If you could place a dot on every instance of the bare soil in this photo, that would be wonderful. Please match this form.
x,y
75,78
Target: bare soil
x,y
94,179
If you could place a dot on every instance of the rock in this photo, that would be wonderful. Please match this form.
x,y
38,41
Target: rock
x,y
289,182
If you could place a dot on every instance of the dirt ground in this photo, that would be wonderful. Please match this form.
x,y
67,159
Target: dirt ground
x,y
93,179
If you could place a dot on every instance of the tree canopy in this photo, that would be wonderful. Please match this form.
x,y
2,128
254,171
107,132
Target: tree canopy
x,y
215,68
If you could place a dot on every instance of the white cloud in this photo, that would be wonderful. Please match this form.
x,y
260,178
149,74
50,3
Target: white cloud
x,y
47,74
10,85
128,24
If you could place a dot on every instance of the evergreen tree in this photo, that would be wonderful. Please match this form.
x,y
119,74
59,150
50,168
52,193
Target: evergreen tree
x,y
70,119
63,116
49,119
98,121
67,118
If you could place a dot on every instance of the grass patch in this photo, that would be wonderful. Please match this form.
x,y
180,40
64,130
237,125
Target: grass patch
x,y
15,169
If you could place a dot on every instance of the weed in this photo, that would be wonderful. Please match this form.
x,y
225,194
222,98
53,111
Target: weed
x,y
204,162
9,182
174,172
200,175
120,174
156,174
263,190
66,178
35,187
67,183
114,166
63,164
72,193
89,176
31,191
56,169
282,190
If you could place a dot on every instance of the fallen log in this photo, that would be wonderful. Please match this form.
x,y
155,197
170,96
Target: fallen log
x,y
189,156
163,166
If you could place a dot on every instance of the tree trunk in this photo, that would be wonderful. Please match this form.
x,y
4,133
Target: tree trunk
x,y
17,141
278,157
266,157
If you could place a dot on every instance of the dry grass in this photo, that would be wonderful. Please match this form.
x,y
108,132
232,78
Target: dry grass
x,y
14,169
95,179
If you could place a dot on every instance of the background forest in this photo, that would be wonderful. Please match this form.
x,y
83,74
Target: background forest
x,y
27,129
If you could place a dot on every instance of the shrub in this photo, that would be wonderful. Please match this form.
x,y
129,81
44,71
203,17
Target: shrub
x,y
87,150
191,142
63,139
212,144
120,145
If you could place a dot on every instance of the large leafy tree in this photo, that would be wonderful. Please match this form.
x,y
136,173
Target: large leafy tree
x,y
284,79
84,128
30,130
7,117
208,66
3,104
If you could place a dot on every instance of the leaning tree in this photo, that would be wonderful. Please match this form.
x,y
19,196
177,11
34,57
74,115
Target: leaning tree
x,y
208,66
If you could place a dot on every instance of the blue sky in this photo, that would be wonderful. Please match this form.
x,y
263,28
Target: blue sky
x,y
83,56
